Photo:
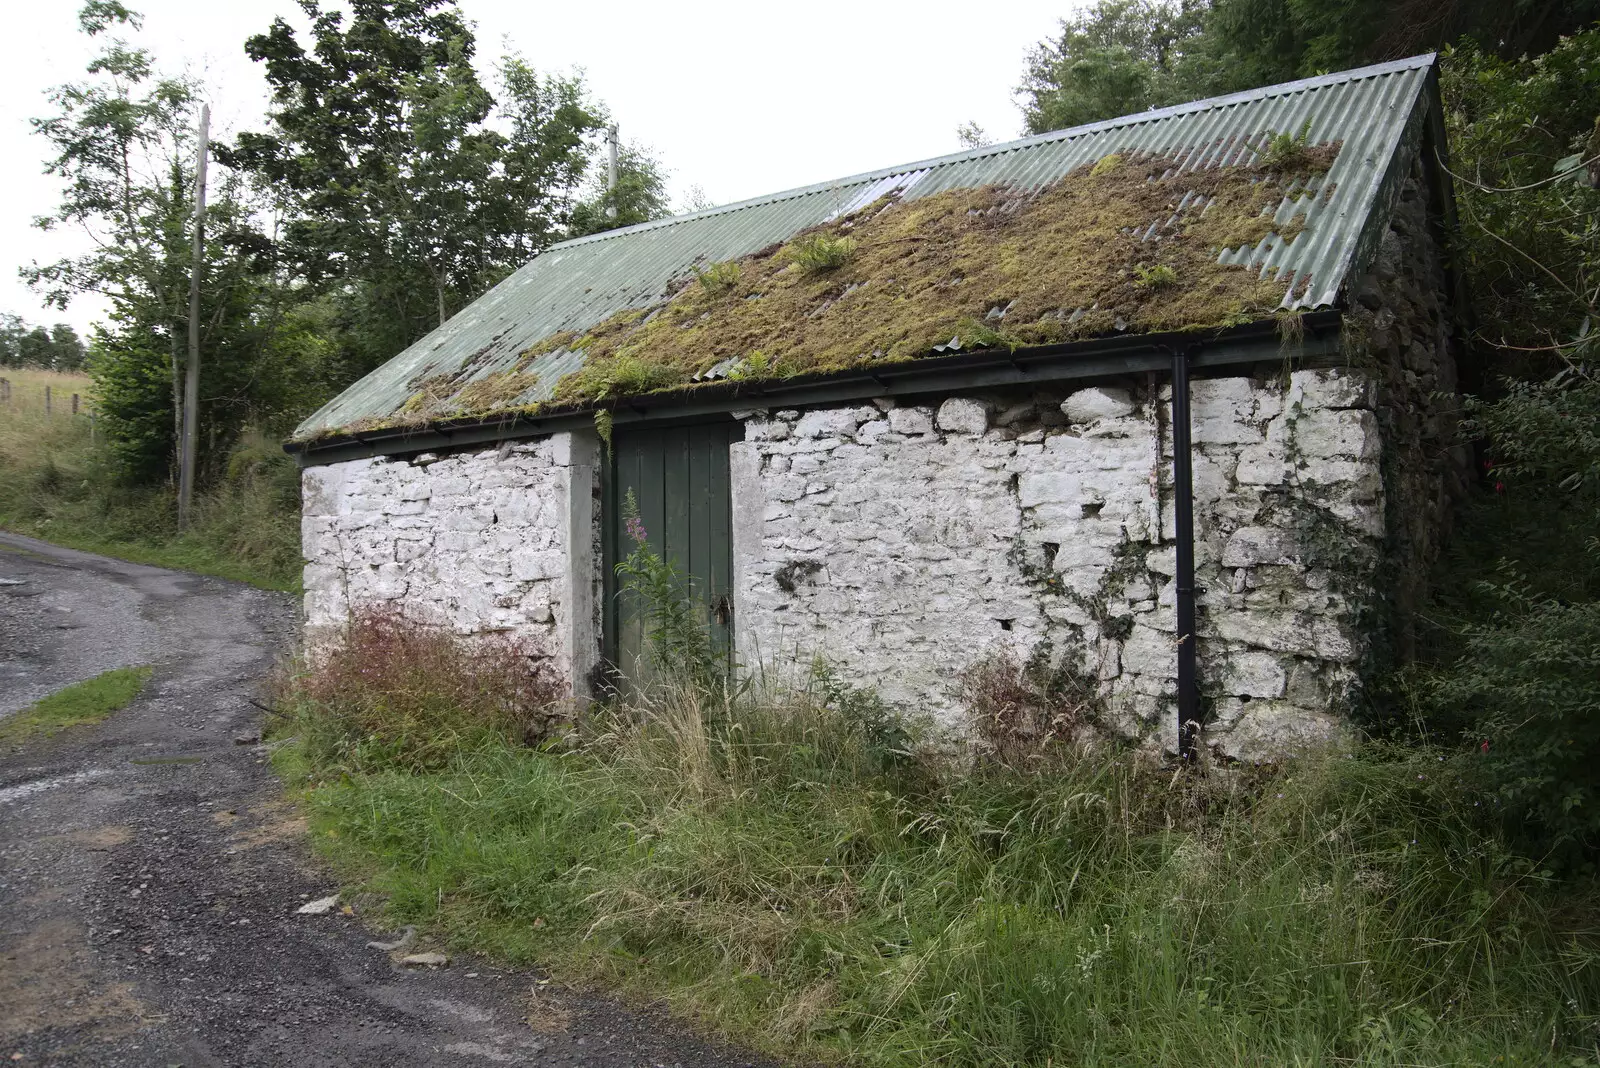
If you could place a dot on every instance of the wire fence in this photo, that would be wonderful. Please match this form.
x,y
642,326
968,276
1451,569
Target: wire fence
x,y
50,396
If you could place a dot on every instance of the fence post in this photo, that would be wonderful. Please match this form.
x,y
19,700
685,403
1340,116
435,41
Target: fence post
x,y
5,390
74,404
46,400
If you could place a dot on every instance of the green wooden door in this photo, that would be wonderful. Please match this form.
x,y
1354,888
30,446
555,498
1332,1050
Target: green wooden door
x,y
679,478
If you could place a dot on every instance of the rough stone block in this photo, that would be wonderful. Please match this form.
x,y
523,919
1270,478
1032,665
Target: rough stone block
x,y
870,432
1150,652
1337,434
962,415
766,430
1266,732
1229,411
1250,674
1250,546
832,422
1331,387
1097,403
1261,465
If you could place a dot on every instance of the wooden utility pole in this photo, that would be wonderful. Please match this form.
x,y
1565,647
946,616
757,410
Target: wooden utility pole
x,y
191,378
613,142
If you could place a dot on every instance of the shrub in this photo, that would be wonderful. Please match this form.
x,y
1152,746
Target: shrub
x,y
1525,680
393,693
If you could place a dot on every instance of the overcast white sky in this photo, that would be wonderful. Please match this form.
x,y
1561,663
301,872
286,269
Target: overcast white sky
x,y
739,99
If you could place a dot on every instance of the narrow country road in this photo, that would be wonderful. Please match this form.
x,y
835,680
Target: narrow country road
x,y
151,872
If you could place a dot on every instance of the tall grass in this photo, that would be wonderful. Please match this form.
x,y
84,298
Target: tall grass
x,y
756,860
54,485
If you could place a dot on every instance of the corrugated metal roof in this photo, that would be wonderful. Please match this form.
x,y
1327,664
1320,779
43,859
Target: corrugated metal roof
x,y
575,285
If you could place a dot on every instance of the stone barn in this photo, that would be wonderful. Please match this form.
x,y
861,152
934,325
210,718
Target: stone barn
x,y
1155,399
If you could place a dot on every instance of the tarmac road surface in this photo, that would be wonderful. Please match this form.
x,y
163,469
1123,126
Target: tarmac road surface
x,y
151,871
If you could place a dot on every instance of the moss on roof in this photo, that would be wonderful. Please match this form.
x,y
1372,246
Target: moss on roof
x,y
1129,245
1124,246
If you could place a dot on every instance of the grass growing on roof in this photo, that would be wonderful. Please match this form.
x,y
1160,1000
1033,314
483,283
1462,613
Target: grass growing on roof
x,y
82,703
1101,251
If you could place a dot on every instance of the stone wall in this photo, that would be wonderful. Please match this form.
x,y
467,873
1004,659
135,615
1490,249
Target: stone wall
x,y
495,540
1402,325
906,543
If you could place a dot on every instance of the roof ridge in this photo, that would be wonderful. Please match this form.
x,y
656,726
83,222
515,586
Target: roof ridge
x,y
1318,81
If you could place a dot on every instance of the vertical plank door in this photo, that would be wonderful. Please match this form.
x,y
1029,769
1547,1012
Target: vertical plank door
x,y
678,478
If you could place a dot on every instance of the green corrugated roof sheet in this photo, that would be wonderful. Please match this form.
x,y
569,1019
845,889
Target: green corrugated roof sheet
x,y
575,285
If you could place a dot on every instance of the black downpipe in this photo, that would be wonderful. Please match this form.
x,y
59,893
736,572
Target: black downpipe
x,y
1183,516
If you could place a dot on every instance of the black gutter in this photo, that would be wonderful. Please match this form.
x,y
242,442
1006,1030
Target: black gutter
x,y
1103,357
1183,522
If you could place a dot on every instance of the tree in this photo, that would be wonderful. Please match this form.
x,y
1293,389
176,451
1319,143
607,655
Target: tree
x,y
21,345
406,189
12,330
640,195
1122,56
1115,58
122,144
66,348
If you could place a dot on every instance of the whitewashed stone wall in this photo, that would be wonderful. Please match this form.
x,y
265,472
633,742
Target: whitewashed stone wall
x,y
498,540
905,543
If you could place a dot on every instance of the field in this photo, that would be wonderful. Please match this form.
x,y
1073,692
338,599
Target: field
x,y
23,394
55,485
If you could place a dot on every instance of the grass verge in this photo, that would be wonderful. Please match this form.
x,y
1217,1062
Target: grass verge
x,y
89,701
54,486
770,868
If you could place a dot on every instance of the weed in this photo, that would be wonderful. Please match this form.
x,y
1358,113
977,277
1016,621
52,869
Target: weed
x,y
1286,151
603,423
1291,328
679,642
394,693
981,334
1154,276
719,277
822,252
1105,165
623,376
81,703
1026,714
